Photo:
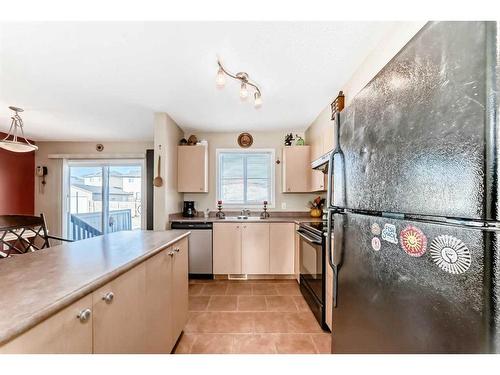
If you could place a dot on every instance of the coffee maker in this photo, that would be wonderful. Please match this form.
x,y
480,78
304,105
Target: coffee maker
x,y
189,210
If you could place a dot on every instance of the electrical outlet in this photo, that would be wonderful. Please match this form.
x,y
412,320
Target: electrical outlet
x,y
283,205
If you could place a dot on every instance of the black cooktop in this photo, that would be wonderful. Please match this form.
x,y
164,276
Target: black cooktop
x,y
318,227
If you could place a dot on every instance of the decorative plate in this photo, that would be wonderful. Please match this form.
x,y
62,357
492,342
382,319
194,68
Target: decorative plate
x,y
245,140
413,241
450,254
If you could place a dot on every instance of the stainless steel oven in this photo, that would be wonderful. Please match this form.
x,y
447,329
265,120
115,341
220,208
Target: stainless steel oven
x,y
312,268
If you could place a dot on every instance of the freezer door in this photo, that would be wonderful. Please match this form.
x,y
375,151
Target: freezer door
x,y
427,293
414,139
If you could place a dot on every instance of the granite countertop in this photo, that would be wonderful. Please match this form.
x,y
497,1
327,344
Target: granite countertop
x,y
37,285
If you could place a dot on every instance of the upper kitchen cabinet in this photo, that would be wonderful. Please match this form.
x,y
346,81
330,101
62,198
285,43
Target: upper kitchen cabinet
x,y
192,169
296,169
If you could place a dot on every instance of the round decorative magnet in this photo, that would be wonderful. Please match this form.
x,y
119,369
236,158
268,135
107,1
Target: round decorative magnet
x,y
413,241
376,243
375,228
450,254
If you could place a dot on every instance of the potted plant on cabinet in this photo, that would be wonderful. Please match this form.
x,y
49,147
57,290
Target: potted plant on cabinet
x,y
317,206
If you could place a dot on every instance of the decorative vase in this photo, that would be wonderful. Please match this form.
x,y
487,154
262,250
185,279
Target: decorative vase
x,y
316,212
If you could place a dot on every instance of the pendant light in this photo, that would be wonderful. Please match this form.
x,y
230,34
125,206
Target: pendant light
x,y
244,86
15,140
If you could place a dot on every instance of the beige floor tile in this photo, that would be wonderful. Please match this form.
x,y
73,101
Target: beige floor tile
x,y
264,289
252,303
301,303
302,322
322,342
294,344
184,344
254,344
215,288
212,344
222,303
239,289
195,288
288,289
233,322
270,322
200,322
281,303
198,303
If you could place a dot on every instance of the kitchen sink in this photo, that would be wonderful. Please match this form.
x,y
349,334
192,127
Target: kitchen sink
x,y
247,218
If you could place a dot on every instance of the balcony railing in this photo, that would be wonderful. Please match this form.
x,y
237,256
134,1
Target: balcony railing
x,y
90,224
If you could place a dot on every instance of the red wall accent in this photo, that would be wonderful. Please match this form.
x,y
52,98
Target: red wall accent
x,y
17,182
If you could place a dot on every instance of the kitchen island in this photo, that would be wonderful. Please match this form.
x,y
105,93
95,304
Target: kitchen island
x,y
125,292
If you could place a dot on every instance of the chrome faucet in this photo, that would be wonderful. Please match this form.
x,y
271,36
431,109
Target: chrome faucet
x,y
245,212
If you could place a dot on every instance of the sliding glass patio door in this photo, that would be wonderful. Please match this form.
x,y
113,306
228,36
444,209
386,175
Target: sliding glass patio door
x,y
103,197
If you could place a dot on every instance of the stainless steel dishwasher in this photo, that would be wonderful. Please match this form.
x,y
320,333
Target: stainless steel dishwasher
x,y
200,248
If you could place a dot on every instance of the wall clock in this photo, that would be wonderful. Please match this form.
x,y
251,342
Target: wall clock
x,y
245,140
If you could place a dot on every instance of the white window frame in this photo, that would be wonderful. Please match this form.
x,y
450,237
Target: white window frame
x,y
67,163
272,151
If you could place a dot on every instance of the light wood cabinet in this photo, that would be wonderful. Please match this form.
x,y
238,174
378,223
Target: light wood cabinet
x,y
179,283
227,248
192,169
296,261
63,333
144,310
158,317
255,248
119,309
318,181
296,169
282,248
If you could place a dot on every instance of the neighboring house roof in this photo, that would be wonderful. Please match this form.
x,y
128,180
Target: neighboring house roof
x,y
97,189
129,174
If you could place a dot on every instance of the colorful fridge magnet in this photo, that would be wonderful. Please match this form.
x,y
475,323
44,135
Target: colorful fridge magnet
x,y
389,233
376,244
450,254
413,241
375,229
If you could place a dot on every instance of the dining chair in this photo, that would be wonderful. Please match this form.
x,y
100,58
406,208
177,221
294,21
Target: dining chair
x,y
20,234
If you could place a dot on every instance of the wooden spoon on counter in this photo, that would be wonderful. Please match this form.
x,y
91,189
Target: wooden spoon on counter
x,y
158,181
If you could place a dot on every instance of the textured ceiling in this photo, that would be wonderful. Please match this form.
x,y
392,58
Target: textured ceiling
x,y
104,80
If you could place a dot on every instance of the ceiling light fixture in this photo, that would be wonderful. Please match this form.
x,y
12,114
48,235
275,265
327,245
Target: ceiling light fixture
x,y
14,139
245,82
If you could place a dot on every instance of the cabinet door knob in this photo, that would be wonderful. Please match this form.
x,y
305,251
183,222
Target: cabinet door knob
x,y
177,250
171,253
84,315
108,297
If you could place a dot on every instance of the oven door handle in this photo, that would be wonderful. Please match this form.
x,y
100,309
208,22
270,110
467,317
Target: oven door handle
x,y
308,239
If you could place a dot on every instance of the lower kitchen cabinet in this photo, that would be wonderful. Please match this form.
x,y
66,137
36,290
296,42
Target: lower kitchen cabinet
x,y
282,248
158,318
144,310
180,286
227,248
255,249
119,309
67,332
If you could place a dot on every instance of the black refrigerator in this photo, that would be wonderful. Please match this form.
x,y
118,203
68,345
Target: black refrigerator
x,y
413,200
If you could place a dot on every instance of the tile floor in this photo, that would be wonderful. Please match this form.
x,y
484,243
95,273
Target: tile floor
x,y
245,317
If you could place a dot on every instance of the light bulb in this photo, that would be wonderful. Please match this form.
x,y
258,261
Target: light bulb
x,y
258,100
221,78
243,91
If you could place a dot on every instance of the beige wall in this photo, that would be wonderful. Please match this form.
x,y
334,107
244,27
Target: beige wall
x,y
274,140
390,45
49,202
166,198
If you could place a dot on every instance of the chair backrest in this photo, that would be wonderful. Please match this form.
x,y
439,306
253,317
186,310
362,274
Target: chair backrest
x,y
21,234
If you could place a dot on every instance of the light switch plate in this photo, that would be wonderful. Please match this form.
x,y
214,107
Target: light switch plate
x,y
283,205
